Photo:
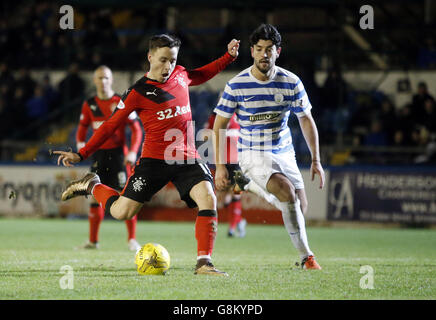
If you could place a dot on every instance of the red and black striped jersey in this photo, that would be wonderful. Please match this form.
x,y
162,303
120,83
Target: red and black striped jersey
x,y
96,111
165,112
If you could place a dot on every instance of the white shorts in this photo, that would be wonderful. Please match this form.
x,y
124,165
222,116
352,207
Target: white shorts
x,y
260,166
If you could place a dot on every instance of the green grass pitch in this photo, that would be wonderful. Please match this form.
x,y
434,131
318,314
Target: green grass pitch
x,y
261,266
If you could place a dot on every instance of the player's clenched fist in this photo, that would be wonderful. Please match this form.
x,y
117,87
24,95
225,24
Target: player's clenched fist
x,y
68,159
233,47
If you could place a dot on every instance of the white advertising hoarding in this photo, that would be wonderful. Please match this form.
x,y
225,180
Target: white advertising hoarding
x,y
32,190
36,190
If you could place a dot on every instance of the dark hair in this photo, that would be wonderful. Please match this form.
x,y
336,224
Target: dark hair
x,y
163,40
422,84
265,32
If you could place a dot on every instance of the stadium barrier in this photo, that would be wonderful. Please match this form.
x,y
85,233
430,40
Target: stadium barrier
x,y
383,194
35,190
373,194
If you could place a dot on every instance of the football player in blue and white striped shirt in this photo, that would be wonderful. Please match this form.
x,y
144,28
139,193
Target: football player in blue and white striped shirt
x,y
263,96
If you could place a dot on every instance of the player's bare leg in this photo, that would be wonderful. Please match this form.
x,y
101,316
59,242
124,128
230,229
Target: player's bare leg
x,y
205,227
293,218
203,195
124,208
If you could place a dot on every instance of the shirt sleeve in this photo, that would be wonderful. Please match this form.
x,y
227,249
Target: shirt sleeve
x,y
300,104
84,122
135,128
227,103
203,74
118,117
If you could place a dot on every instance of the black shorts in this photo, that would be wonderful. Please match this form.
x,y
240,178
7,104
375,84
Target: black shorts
x,y
151,175
231,167
109,165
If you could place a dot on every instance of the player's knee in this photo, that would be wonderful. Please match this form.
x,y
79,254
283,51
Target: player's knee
x,y
282,188
119,214
122,213
204,196
288,197
286,192
210,200
207,201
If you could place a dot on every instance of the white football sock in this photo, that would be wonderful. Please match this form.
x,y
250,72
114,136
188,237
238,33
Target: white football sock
x,y
295,225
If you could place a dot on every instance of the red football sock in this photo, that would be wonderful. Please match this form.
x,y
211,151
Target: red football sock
x,y
234,212
131,228
103,193
95,217
205,232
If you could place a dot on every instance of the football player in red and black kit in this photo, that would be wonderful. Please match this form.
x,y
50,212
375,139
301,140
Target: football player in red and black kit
x,y
161,100
113,157
231,199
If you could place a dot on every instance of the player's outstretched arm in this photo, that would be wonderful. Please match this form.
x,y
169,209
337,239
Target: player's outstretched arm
x,y
310,132
68,159
207,72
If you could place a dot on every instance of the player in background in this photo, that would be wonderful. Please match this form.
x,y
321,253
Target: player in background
x,y
112,158
231,199
161,99
263,96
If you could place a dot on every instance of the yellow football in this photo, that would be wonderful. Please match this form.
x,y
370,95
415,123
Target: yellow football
x,y
152,258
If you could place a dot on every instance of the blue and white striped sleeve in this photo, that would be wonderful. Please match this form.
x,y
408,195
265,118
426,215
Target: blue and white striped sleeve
x,y
300,101
227,103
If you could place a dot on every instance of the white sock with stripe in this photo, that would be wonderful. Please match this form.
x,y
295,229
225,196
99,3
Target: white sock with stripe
x,y
294,222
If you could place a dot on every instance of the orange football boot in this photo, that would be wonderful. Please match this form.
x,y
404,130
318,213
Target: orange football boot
x,y
310,263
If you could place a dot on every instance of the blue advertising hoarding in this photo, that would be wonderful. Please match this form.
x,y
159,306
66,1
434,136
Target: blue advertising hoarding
x,y
382,195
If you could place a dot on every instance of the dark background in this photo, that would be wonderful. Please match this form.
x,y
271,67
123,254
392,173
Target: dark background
x,y
357,125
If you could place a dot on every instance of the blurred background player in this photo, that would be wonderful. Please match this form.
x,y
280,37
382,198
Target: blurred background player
x,y
230,199
113,160
263,96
